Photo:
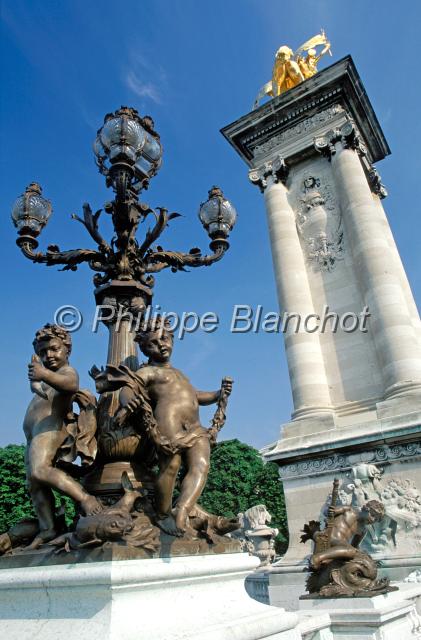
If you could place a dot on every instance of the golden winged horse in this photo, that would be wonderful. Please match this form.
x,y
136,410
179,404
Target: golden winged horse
x,y
291,68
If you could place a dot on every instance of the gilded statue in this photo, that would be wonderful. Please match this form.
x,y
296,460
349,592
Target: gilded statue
x,y
290,69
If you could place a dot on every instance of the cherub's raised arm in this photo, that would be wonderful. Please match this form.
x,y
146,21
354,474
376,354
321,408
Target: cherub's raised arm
x,y
132,398
126,396
207,397
66,380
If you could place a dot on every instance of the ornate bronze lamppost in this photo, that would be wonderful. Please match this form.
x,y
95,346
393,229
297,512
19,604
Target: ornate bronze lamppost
x,y
128,153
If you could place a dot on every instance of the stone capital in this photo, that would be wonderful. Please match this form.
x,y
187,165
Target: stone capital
x,y
325,145
349,138
275,169
347,135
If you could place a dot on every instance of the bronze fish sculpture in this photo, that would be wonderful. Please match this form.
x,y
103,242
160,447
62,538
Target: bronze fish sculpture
x,y
110,525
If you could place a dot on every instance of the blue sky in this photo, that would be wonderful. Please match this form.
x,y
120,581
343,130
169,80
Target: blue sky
x,y
195,67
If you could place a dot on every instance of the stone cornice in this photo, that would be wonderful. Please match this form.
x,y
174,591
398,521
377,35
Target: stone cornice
x,y
335,462
283,119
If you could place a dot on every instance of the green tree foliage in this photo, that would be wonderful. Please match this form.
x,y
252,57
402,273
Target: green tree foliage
x,y
238,480
15,503
14,500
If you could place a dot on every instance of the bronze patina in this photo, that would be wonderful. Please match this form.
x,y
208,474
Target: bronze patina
x,y
338,568
118,457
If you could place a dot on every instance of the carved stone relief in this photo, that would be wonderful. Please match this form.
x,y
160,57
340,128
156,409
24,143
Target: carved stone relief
x,y
400,530
319,222
344,462
309,124
255,534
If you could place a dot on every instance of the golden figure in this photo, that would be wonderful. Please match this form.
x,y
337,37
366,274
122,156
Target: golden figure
x,y
308,65
286,72
291,68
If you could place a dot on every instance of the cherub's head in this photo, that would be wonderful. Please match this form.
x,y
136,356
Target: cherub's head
x,y
373,511
156,340
53,345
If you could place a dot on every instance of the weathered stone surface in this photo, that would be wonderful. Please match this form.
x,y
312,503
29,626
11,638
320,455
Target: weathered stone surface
x,y
356,394
202,597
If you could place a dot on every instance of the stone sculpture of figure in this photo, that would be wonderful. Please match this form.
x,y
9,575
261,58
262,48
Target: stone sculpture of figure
x,y
55,384
359,496
286,73
168,406
255,522
370,476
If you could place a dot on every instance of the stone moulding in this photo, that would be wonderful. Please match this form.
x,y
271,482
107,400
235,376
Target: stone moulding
x,y
309,124
337,85
197,598
341,462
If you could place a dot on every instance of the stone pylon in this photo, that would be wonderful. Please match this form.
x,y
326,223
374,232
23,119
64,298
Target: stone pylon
x,y
353,342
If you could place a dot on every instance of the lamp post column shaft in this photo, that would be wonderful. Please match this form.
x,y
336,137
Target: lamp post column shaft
x,y
121,345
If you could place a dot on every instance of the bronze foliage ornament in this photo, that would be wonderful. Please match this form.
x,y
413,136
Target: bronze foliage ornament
x,y
128,152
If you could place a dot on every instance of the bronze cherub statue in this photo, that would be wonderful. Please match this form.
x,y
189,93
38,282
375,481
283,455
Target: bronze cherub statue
x,y
337,566
163,404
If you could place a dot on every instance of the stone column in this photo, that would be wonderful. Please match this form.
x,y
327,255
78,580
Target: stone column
x,y
376,268
307,373
400,270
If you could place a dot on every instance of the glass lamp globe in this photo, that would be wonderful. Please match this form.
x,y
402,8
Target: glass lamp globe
x,y
31,211
127,138
217,215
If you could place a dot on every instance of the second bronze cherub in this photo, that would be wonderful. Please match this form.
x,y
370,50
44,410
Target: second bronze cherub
x,y
163,405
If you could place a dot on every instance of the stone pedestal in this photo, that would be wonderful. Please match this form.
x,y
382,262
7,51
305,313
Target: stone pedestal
x,y
200,598
391,616
353,338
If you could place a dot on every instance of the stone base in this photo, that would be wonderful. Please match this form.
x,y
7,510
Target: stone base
x,y
169,547
390,616
283,584
200,598
377,459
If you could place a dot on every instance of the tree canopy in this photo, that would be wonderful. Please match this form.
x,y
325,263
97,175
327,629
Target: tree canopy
x,y
15,502
238,480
